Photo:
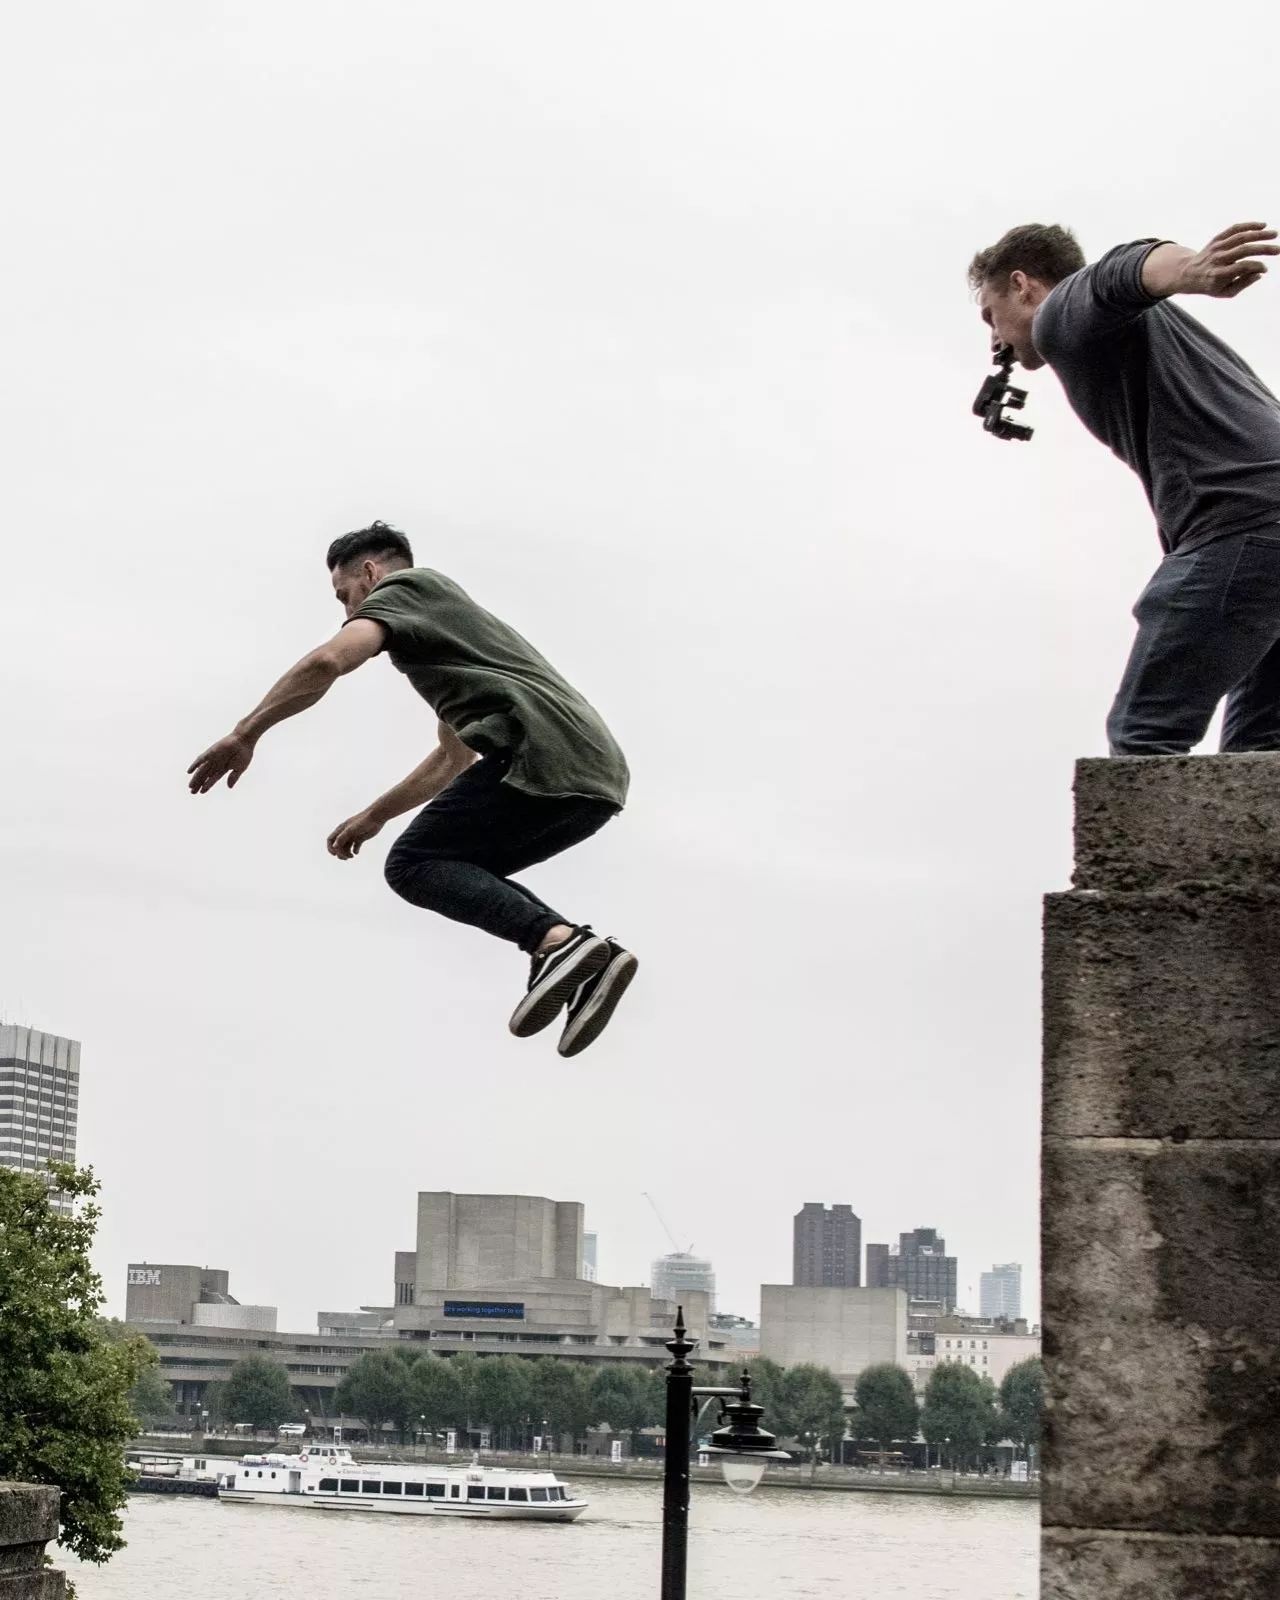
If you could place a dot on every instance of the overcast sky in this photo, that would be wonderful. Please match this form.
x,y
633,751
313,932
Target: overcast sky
x,y
649,325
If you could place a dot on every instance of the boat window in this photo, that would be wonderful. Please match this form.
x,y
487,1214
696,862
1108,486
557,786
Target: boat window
x,y
435,1491
259,1472
415,1488
351,1486
517,1494
371,1486
493,1493
393,1488
328,1485
537,1494
455,1491
475,1491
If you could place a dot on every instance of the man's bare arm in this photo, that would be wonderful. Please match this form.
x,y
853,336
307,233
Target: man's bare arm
x,y
424,783
306,682
1230,262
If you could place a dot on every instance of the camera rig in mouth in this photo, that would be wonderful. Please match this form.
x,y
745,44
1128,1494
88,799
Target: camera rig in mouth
x,y
995,394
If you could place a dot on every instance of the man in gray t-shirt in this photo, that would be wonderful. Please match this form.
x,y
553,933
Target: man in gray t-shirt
x,y
1202,432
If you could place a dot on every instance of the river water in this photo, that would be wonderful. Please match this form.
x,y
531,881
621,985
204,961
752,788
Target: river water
x,y
777,1544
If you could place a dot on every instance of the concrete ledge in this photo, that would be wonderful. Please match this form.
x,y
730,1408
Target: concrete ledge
x,y
1136,1042
1154,821
1162,1365
28,1521
1085,1565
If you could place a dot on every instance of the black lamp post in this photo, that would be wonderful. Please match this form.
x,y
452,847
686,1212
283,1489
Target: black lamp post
x,y
742,1445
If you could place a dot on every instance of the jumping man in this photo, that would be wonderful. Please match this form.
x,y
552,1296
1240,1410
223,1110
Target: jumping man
x,y
524,769
1202,432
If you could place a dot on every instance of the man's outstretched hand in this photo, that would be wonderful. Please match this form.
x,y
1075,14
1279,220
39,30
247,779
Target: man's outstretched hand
x,y
346,839
1230,262
227,759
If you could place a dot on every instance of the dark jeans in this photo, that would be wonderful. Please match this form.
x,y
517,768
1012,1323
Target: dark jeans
x,y
1208,626
458,853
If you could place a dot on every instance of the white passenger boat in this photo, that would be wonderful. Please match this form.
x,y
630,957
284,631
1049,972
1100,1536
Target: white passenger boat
x,y
329,1479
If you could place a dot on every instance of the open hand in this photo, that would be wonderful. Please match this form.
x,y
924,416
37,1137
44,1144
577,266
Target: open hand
x,y
1230,262
346,839
228,758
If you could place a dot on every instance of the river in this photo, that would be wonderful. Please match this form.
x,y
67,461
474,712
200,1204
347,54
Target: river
x,y
777,1544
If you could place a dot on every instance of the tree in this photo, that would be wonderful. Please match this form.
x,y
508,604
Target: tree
x,y
887,1408
257,1392
503,1392
563,1396
1022,1402
151,1398
814,1405
435,1395
464,1367
769,1389
64,1383
629,1400
377,1388
959,1412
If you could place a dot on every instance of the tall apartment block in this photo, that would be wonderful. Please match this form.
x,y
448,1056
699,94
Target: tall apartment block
x,y
39,1098
826,1247
1000,1292
920,1265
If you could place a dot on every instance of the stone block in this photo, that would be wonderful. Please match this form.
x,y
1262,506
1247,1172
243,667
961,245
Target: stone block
x,y
1145,822
1088,1566
1162,1013
1162,1368
28,1521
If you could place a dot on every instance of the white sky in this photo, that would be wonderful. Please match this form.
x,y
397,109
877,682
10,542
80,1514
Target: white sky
x,y
649,325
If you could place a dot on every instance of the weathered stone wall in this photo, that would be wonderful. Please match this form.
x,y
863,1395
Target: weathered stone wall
x,y
1161,1189
28,1521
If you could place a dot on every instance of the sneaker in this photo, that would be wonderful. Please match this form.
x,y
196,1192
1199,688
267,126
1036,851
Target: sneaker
x,y
595,999
554,977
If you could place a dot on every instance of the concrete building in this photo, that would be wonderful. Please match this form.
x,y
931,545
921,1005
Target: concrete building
x,y
196,1296
920,1265
680,1276
466,1240
843,1329
1000,1291
39,1098
826,1247
739,1333
990,1345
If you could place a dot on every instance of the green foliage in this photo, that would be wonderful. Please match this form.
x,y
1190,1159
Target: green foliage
x,y
1022,1402
563,1396
768,1389
435,1395
257,1392
151,1398
813,1405
64,1381
887,1409
378,1388
959,1411
503,1393
629,1399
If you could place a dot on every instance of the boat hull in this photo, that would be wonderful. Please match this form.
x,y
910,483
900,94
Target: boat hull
x,y
477,1511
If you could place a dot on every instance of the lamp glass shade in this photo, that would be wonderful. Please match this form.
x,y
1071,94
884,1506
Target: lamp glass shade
x,y
742,1472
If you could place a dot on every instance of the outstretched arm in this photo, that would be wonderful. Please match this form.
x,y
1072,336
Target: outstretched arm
x,y
305,683
424,783
1230,262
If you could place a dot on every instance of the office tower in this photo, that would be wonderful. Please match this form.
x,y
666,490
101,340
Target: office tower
x,y
1000,1293
920,1265
675,1274
826,1247
39,1099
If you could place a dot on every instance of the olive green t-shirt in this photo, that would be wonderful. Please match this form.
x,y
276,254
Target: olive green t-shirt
x,y
494,689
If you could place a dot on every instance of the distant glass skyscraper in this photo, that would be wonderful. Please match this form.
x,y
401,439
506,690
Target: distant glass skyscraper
x,y
1000,1292
39,1098
921,1266
675,1273
590,1265
826,1247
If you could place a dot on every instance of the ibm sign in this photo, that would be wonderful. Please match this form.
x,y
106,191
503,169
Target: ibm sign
x,y
148,1277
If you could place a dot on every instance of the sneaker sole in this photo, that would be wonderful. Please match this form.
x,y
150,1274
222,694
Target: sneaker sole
x,y
592,1020
541,1008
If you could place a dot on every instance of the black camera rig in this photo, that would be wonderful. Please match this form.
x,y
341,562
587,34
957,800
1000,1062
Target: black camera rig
x,y
995,394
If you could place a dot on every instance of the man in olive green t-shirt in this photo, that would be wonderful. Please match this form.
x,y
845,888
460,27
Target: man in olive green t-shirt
x,y
524,769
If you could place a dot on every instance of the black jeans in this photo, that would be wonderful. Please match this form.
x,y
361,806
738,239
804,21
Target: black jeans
x,y
1208,626
458,853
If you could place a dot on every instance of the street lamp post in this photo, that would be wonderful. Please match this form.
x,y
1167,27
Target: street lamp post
x,y
744,1449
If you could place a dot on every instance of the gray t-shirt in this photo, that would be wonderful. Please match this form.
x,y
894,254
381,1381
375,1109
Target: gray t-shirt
x,y
1196,424
497,693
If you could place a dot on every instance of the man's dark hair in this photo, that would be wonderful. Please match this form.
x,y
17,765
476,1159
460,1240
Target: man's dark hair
x,y
379,539
1048,253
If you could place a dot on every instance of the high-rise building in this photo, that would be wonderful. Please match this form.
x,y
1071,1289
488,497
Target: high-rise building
x,y
590,1264
674,1275
920,1265
465,1240
827,1247
1000,1291
39,1098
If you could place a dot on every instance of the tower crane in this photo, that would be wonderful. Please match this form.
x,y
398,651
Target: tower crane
x,y
666,1228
